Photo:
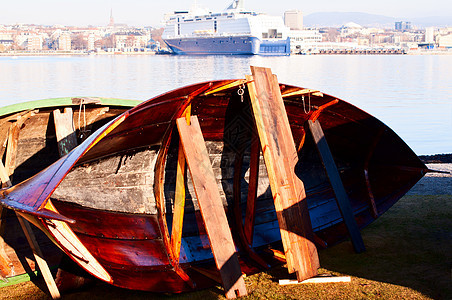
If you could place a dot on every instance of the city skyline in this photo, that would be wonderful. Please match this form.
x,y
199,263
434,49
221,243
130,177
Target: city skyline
x,y
134,12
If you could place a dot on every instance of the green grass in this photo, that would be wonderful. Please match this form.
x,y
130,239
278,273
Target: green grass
x,y
409,256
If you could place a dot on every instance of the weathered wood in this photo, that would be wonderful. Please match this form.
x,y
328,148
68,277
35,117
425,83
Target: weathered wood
x,y
211,207
302,92
320,279
48,278
85,118
86,100
280,157
5,262
64,128
11,150
13,140
179,204
179,198
45,271
4,144
238,213
4,175
6,265
119,183
343,201
252,189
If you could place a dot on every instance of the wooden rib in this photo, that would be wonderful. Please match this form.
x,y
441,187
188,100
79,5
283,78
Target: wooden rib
x,y
179,198
11,150
246,246
337,185
280,158
159,178
371,150
211,207
4,143
314,116
302,92
64,129
226,87
252,189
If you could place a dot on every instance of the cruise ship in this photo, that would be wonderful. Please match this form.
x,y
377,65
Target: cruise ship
x,y
233,31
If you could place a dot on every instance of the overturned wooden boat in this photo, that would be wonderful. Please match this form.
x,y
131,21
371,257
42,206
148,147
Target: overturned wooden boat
x,y
29,144
114,203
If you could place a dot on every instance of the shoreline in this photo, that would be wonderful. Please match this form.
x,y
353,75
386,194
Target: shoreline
x,y
444,158
54,53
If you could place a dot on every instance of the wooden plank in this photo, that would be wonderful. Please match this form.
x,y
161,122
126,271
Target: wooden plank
x,y
280,157
319,279
211,207
43,267
179,207
65,133
179,204
5,262
252,189
13,140
48,278
238,212
342,199
6,265
11,150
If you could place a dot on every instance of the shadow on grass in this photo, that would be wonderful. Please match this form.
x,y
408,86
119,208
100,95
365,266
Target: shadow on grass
x,y
410,245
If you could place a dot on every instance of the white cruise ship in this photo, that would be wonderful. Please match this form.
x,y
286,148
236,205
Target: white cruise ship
x,y
233,31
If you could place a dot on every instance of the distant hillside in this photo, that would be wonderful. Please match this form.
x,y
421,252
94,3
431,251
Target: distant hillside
x,y
337,19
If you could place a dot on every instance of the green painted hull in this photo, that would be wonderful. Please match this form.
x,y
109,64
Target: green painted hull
x,y
62,102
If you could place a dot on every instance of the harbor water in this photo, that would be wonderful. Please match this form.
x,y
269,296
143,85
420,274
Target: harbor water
x,y
411,94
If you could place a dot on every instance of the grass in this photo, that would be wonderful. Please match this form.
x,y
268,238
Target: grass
x,y
409,256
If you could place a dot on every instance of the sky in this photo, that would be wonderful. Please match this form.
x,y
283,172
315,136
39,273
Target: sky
x,y
150,13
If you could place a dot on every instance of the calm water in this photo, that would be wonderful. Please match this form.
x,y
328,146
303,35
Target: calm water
x,y
411,94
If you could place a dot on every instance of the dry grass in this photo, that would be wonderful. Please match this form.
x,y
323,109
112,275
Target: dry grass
x,y
409,256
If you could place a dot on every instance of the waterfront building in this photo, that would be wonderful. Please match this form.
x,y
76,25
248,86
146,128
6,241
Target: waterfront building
x,y
293,19
64,41
92,38
445,41
302,41
6,45
34,43
429,35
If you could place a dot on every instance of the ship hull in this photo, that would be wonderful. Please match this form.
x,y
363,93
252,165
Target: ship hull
x,y
233,45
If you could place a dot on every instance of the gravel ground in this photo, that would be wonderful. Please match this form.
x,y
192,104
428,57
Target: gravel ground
x,y
435,183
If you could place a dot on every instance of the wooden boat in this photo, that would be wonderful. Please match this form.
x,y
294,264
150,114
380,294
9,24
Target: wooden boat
x,y
110,203
29,145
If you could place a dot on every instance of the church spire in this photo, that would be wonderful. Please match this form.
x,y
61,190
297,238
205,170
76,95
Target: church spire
x,y
112,21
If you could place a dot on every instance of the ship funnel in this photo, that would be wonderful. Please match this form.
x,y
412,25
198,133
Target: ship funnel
x,y
236,5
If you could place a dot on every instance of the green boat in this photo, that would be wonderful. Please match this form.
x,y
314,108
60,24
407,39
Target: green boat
x,y
29,144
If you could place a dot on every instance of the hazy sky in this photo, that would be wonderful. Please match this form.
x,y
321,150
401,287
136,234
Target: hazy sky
x,y
141,12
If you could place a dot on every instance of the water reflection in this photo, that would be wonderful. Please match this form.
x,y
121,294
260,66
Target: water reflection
x,y
411,94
